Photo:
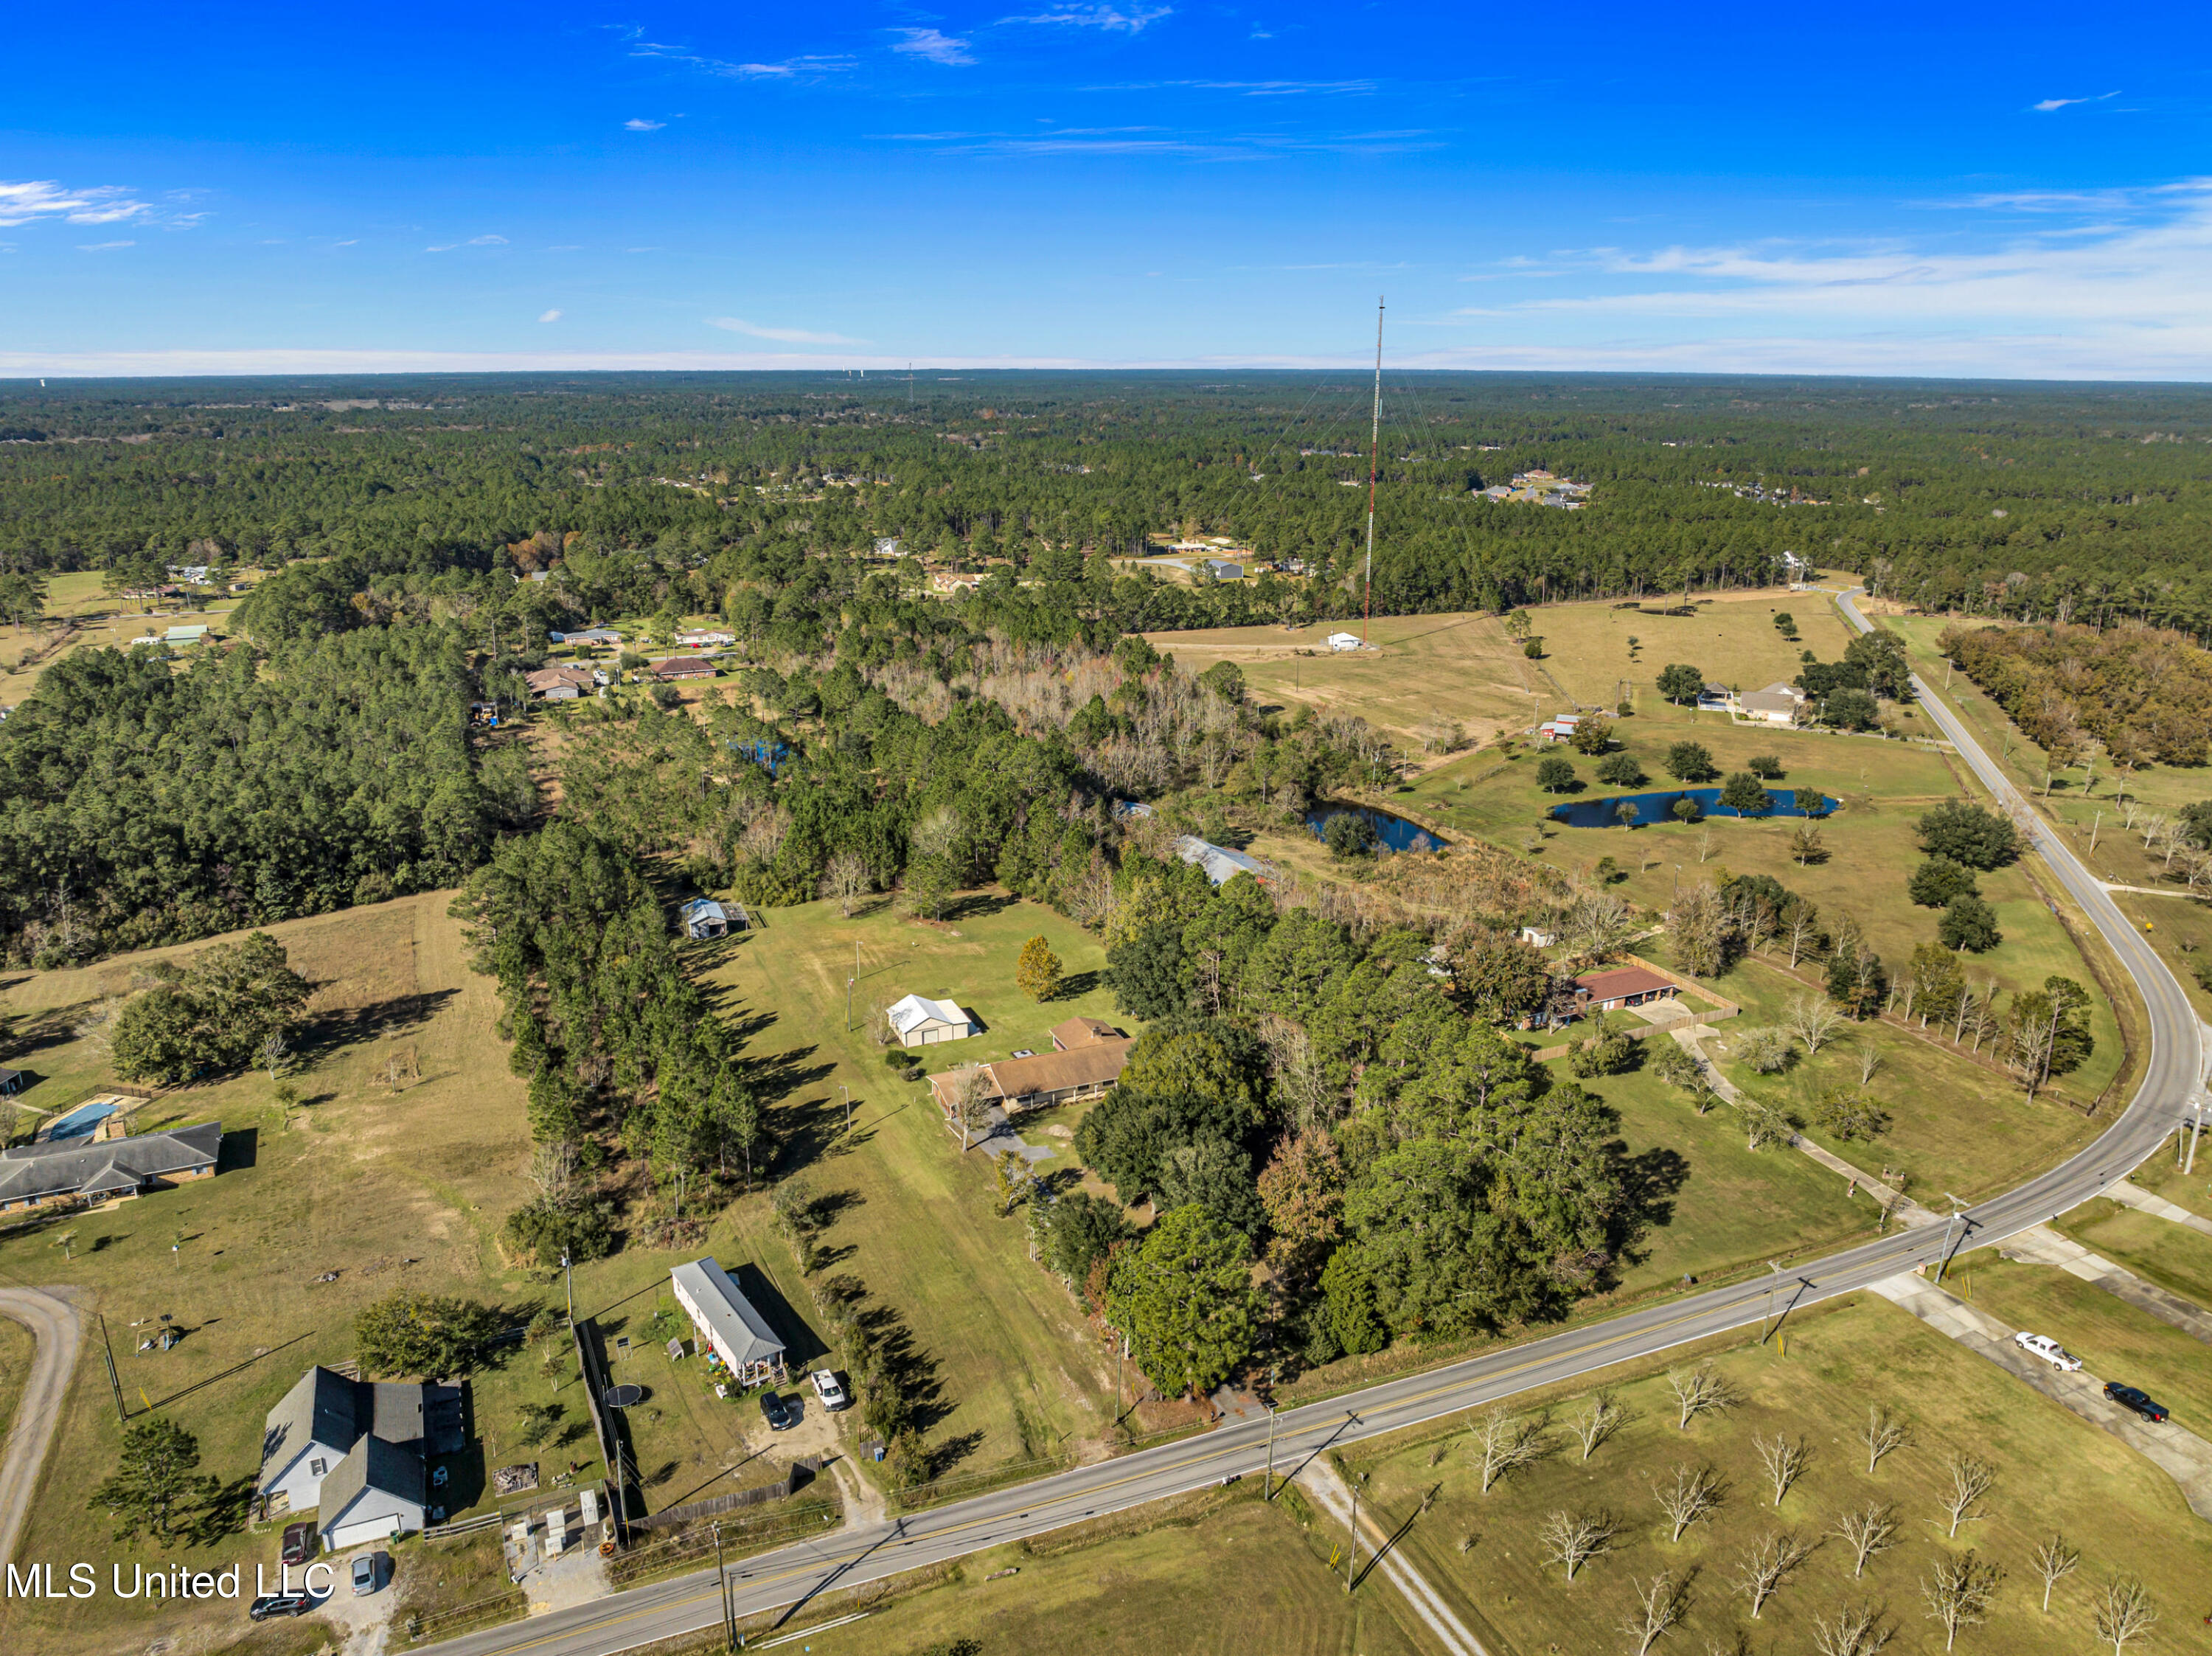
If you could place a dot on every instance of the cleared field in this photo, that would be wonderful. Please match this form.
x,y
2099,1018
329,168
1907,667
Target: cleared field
x,y
388,1190
1870,844
1431,672
2158,1250
2113,1339
2053,1471
1216,1578
1019,1373
82,614
1428,673
15,1349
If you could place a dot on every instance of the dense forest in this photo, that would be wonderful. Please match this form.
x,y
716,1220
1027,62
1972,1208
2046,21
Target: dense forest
x,y
2086,503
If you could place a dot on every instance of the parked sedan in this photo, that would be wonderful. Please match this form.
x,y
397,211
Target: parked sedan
x,y
298,1542
2129,1396
781,1414
2042,1346
368,1573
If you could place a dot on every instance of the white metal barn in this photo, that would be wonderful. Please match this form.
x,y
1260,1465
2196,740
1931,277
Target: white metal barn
x,y
920,1022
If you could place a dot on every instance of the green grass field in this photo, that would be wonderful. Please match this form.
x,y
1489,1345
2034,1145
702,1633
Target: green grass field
x,y
97,620
917,1223
2158,1250
1203,1574
2114,1340
2053,1471
2162,1176
1431,672
15,1349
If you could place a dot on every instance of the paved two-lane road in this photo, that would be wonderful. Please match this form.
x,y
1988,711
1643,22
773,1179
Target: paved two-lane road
x,y
851,1558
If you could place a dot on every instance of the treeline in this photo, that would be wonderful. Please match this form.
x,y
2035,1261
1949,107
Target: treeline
x,y
141,805
1320,1095
2089,503
617,1043
2144,694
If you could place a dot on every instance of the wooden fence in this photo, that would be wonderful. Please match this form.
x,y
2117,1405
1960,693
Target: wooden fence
x,y
801,1474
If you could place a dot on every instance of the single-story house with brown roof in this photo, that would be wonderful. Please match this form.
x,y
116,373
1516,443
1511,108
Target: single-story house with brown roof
x,y
1083,1070
1082,1032
1624,985
681,667
559,683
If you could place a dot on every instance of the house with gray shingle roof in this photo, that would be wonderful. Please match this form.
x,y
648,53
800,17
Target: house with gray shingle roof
x,y
70,1169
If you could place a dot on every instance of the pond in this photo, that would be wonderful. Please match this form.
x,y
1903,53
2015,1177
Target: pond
x,y
1660,807
1395,832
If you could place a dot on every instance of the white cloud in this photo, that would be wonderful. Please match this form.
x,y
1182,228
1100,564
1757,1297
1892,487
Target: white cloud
x,y
932,47
103,246
549,315
635,125
2049,105
1111,19
789,69
2082,300
787,335
106,203
487,241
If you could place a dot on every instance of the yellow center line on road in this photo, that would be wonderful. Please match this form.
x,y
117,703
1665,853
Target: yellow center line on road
x,y
834,1562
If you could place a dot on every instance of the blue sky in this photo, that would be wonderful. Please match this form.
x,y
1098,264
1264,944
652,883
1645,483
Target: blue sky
x,y
2014,190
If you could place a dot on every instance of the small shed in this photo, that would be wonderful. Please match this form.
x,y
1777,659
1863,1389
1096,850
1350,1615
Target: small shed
x,y
727,1321
1344,640
705,918
917,1021
1222,569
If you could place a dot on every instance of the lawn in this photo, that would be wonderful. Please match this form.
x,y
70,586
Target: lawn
x,y
2162,1176
99,620
15,1348
1430,672
1209,1575
2114,1340
1954,1124
1871,846
1815,1385
2157,1250
1020,1375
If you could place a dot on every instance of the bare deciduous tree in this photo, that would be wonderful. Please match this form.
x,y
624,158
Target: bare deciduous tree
x,y
1572,1539
1760,1572
1870,1530
2054,1561
935,834
1692,1495
1784,1461
1958,1594
1869,1061
968,1102
552,1169
1813,1021
1598,1419
271,1054
1698,1392
1504,1442
1854,1630
1882,1433
2125,1613
1660,1605
1968,1481
846,879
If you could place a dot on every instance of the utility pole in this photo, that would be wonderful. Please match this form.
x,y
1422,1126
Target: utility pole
x,y
569,1277
2196,1105
1374,461
1773,1282
848,1091
1268,1484
722,1584
1958,1214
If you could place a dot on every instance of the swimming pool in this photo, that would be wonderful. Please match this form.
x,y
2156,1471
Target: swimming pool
x,y
80,1122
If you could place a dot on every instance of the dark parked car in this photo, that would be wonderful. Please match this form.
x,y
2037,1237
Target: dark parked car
x,y
2129,1398
281,1604
781,1417
299,1540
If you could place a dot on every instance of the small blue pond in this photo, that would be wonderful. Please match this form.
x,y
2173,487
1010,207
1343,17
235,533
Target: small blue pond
x,y
80,1121
1660,807
1394,832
